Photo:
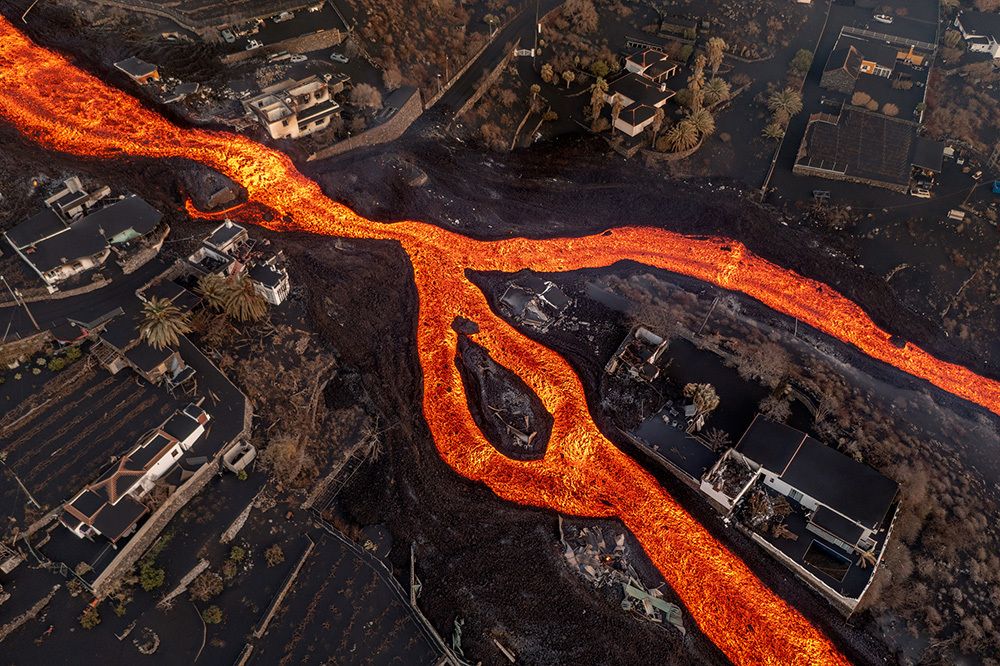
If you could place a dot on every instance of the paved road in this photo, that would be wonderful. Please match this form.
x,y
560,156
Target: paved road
x,y
521,26
85,307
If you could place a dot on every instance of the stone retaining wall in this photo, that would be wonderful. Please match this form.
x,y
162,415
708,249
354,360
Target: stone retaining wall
x,y
143,539
490,79
314,41
390,130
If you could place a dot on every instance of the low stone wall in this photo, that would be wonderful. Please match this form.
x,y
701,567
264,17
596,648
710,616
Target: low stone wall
x,y
490,79
314,41
143,539
12,626
390,130
261,627
39,294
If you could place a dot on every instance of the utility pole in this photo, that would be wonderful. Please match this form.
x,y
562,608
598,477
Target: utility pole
x,y
3,460
20,301
536,30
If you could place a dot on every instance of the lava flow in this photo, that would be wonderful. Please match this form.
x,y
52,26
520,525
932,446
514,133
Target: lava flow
x,y
64,109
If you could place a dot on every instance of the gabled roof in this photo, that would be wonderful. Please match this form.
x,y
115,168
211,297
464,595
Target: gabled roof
x,y
647,57
38,227
636,114
846,58
841,483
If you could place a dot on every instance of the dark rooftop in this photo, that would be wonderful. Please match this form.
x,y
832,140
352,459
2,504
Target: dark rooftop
x,y
180,426
135,67
36,228
142,457
88,503
120,332
837,525
146,358
883,54
266,274
986,24
770,444
114,520
928,154
846,58
636,114
224,234
861,144
639,89
128,213
842,483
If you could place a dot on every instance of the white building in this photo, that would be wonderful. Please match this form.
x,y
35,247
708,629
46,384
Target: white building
x,y
111,506
292,109
980,31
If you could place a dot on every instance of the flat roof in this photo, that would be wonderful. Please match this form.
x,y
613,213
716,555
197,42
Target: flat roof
x,y
146,358
120,332
980,23
837,525
266,274
135,67
180,426
224,233
928,154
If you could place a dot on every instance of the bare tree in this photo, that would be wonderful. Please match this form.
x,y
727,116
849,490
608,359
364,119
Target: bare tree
x,y
366,96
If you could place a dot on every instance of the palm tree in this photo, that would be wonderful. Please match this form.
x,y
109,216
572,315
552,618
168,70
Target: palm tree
x,y
716,48
569,76
658,116
697,81
244,301
787,101
597,99
716,90
162,323
702,121
682,136
773,131
616,110
214,290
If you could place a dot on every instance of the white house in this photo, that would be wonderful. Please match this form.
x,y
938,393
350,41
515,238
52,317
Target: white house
x,y
291,109
980,31
111,506
639,97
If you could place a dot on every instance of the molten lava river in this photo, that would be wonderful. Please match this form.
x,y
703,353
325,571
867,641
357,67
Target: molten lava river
x,y
62,108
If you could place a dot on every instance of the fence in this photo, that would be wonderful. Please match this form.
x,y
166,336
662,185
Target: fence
x,y
391,129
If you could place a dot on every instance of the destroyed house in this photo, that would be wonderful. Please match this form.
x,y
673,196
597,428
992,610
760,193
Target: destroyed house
x,y
271,281
848,502
865,147
292,109
56,248
842,70
138,70
119,346
639,354
534,302
112,506
229,251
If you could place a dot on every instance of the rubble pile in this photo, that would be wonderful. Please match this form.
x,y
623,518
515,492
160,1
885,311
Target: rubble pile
x,y
731,475
604,564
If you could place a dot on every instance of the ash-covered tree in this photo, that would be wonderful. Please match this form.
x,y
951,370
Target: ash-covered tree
x,y
787,101
207,585
597,99
392,78
703,122
682,136
366,96
715,51
243,301
703,396
547,73
716,90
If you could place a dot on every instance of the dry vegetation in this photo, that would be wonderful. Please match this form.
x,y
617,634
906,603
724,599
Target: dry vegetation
x,y
417,38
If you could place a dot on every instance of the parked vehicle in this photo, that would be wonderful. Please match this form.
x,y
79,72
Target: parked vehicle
x,y
284,16
316,8
821,194
882,18
920,193
253,44
298,57
338,57
956,215
229,37
977,175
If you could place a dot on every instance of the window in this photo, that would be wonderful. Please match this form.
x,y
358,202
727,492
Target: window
x,y
796,495
174,453
284,123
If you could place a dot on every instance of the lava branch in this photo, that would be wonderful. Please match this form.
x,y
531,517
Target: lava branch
x,y
583,473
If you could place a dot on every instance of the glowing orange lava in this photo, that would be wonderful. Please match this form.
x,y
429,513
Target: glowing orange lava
x,y
62,108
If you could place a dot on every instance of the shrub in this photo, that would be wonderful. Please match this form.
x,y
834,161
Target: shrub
x,y
150,577
206,586
802,61
212,615
90,618
120,610
241,475
274,555
237,554
74,353
860,98
685,52
57,364
40,361
36,371
229,570
890,109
